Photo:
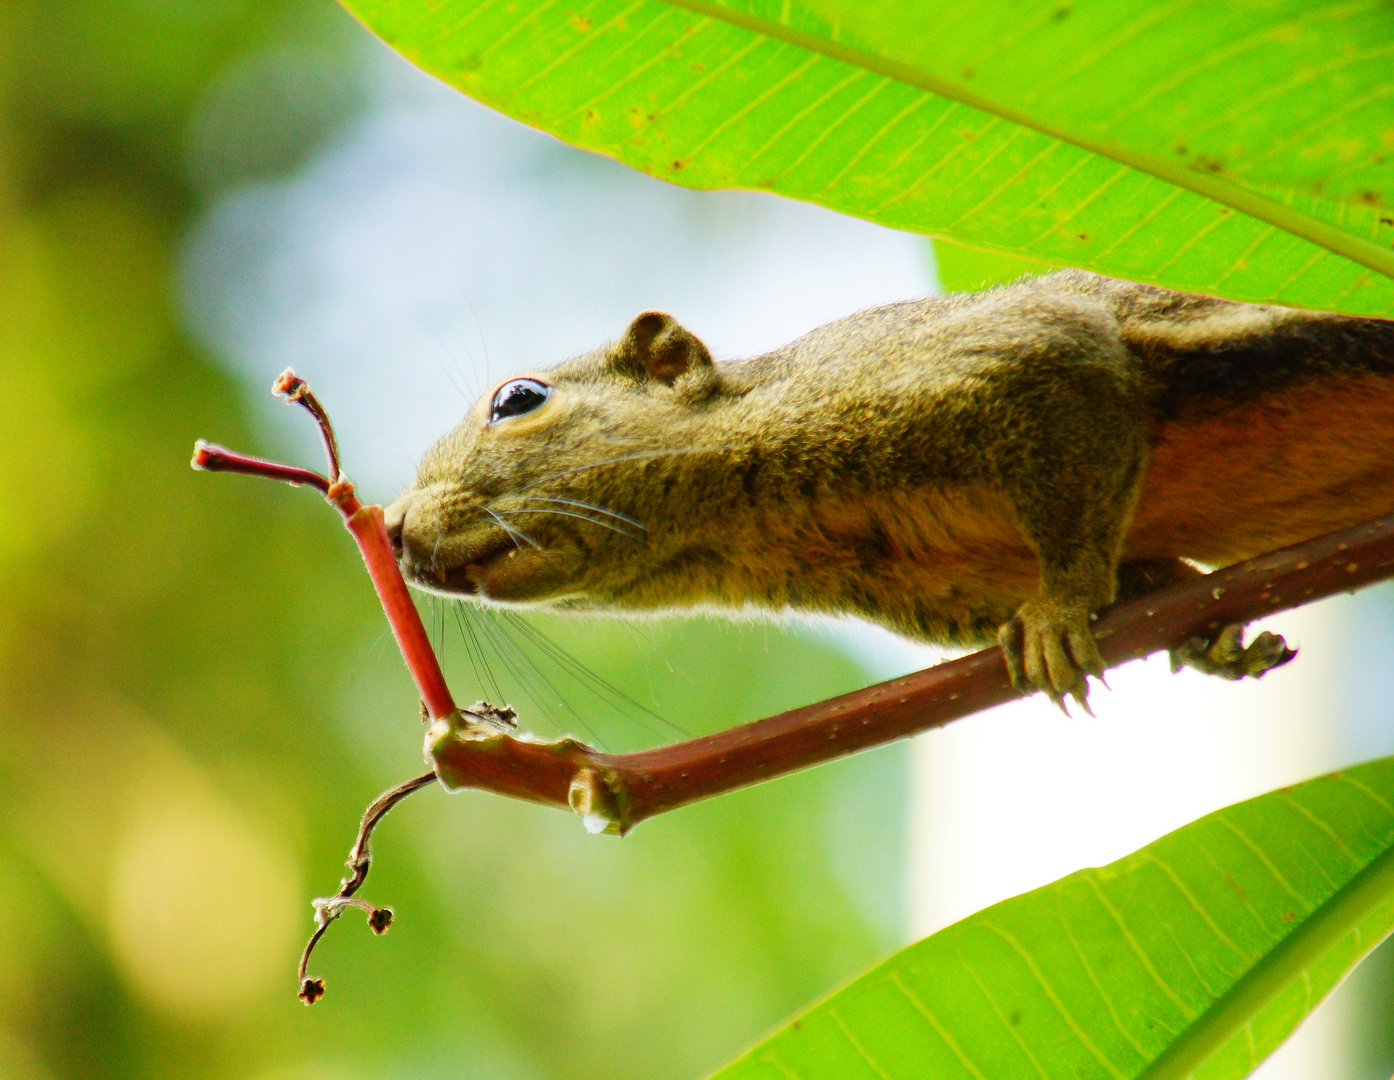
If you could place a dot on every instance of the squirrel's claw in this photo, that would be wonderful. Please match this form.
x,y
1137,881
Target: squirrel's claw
x,y
1052,650
1226,655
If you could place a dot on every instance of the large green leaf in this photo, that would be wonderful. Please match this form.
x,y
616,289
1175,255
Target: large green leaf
x,y
1193,957
844,107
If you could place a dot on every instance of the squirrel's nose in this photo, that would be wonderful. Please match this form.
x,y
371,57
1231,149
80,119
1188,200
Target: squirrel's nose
x,y
394,517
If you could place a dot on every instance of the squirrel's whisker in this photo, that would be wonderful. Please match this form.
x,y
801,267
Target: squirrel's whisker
x,y
588,678
529,676
514,533
577,503
579,517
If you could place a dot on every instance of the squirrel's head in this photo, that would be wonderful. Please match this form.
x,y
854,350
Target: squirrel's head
x,y
552,488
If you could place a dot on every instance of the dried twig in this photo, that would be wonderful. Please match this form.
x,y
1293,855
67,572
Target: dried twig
x,y
329,908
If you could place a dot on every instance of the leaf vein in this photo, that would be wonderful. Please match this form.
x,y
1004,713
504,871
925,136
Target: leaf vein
x,y
939,1028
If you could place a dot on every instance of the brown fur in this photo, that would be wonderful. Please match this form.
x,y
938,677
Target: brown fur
x,y
944,467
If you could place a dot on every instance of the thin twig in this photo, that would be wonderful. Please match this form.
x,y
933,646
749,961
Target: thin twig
x,y
296,390
210,457
329,908
369,532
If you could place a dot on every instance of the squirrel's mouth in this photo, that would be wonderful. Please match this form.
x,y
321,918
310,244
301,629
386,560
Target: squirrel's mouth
x,y
467,576
496,564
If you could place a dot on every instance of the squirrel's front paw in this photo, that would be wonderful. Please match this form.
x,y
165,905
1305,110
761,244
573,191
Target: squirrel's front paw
x,y
1050,646
1226,655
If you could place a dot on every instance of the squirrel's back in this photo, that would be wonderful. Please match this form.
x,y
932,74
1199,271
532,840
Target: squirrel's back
x,y
1192,352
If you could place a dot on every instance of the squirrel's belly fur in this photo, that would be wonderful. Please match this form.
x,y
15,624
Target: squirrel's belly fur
x,y
1309,458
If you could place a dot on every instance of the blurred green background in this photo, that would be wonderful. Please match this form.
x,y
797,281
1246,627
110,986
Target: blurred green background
x,y
197,697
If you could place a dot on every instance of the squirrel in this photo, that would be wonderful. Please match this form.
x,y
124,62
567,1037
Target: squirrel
x,y
980,467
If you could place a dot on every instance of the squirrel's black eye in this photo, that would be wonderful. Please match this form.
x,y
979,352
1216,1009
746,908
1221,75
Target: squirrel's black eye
x,y
517,397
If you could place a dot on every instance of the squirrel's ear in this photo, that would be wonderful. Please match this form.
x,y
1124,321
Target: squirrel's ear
x,y
655,345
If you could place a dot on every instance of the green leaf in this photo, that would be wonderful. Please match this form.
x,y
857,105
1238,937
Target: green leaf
x,y
839,104
1193,957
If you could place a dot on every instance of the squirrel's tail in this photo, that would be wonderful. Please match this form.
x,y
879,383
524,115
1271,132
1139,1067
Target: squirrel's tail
x,y
1220,351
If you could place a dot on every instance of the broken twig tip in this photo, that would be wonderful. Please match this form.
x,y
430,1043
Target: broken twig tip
x,y
330,908
311,990
288,385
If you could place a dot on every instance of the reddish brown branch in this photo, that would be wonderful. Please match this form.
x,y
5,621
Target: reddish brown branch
x,y
477,747
624,789
297,391
616,792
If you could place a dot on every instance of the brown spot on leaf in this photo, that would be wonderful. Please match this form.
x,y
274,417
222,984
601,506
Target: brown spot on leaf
x,y
1370,198
1386,221
1182,149
1289,916
1015,1018
968,73
581,22
679,164
699,68
1060,14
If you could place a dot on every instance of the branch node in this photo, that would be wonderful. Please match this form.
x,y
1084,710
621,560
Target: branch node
x,y
593,796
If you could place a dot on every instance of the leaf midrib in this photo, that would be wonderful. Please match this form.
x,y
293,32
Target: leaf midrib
x,y
1339,916
1212,187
